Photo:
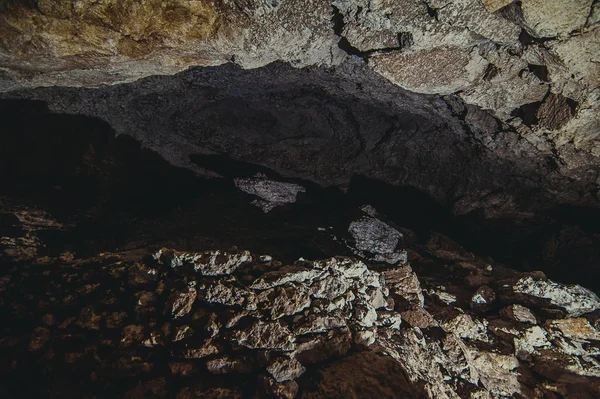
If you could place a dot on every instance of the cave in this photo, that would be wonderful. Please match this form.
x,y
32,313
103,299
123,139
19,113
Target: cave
x,y
299,199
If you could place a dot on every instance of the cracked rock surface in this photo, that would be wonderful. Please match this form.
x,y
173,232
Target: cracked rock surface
x,y
520,79
234,324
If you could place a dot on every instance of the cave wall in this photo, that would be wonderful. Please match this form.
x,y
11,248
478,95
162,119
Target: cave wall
x,y
328,124
520,77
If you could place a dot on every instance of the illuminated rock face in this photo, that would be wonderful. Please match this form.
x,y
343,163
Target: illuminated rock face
x,y
508,88
231,318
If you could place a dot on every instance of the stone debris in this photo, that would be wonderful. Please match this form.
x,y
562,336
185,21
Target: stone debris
x,y
209,263
284,369
273,324
180,303
270,193
575,299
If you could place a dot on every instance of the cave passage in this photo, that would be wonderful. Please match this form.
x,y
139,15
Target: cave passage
x,y
278,237
110,194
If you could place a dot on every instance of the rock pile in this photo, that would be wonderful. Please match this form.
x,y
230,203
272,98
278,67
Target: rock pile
x,y
230,324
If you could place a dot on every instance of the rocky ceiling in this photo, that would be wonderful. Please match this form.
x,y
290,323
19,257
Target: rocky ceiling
x,y
299,129
482,104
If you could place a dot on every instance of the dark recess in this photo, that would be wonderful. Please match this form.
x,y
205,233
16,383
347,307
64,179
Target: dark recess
x,y
117,195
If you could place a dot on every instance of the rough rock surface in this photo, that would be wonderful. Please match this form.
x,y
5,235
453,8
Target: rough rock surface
x,y
329,125
270,193
376,240
233,324
521,79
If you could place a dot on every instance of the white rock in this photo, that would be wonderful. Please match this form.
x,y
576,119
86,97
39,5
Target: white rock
x,y
464,326
271,193
575,299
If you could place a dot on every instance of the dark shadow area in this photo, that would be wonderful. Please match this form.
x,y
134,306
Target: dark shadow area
x,y
111,194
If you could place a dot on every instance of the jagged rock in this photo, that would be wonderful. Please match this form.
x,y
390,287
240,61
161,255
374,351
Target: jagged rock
x,y
416,316
208,348
577,328
313,324
155,339
443,295
330,287
575,299
404,282
266,335
145,302
285,369
465,326
423,346
289,274
209,263
375,240
271,193
213,326
289,300
283,390
509,87
226,293
483,299
495,5
88,318
183,332
181,368
432,71
226,365
115,319
315,349
550,18
496,372
180,303
389,319
531,339
519,313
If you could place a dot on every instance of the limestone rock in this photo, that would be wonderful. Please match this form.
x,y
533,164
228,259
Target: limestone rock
x,y
262,335
270,193
483,299
180,303
550,18
269,336
374,239
436,71
284,369
576,328
209,263
575,299
519,313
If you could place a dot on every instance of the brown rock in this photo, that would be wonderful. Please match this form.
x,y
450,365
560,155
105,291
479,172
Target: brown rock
x,y
518,313
132,334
